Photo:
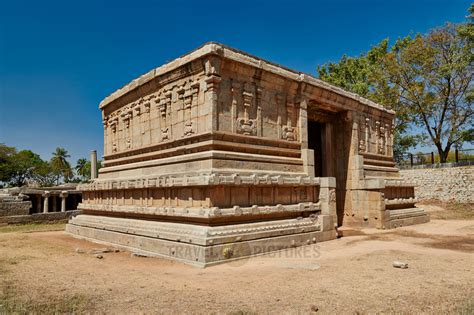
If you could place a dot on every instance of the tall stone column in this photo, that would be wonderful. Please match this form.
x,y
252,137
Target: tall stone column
x,y
63,196
93,164
46,201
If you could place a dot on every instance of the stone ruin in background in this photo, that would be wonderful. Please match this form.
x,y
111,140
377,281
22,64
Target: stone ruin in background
x,y
38,204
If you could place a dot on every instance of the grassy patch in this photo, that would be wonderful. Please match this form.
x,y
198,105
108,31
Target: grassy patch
x,y
12,303
452,210
467,308
12,260
32,227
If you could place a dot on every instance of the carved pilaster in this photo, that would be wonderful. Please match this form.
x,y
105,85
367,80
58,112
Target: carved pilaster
x,y
259,117
190,99
380,137
126,119
105,124
245,125
392,133
289,131
278,104
113,122
136,108
367,134
163,104
303,122
146,120
212,70
235,92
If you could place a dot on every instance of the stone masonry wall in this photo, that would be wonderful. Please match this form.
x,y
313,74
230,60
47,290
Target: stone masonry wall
x,y
39,217
14,207
446,184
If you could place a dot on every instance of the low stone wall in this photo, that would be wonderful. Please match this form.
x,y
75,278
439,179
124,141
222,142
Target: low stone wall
x,y
446,184
39,217
14,207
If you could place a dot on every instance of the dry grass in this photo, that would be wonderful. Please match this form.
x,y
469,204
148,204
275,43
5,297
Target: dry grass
x,y
11,302
468,308
32,227
14,302
452,210
42,273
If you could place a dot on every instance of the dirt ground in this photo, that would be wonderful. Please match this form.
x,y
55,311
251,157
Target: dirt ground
x,y
41,271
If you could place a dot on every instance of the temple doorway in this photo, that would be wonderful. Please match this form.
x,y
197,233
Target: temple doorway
x,y
320,140
329,136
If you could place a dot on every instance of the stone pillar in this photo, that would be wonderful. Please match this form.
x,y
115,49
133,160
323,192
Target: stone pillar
x,y
63,196
93,164
46,195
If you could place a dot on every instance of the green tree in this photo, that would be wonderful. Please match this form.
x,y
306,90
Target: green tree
x,y
363,75
6,162
356,74
17,168
467,30
427,80
25,165
60,166
431,78
44,174
81,169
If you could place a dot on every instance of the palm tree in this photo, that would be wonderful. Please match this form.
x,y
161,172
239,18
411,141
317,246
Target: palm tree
x,y
60,165
83,168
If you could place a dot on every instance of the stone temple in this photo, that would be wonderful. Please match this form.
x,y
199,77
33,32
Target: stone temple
x,y
219,155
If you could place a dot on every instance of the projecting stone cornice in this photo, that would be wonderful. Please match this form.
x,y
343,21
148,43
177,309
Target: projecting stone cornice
x,y
229,53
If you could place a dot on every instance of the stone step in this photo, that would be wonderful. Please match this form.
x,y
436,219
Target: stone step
x,y
198,234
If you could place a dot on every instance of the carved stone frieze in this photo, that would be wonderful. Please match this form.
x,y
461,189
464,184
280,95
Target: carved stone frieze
x,y
202,179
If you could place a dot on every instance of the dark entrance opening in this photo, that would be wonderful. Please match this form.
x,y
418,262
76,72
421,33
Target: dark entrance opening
x,y
329,137
320,140
315,143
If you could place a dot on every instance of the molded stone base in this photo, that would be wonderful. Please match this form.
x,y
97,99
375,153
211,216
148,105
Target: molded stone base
x,y
403,217
202,245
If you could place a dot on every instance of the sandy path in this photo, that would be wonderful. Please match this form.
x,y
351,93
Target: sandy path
x,y
347,275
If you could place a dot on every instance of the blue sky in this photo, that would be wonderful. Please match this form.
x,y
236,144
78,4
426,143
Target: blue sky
x,y
59,59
